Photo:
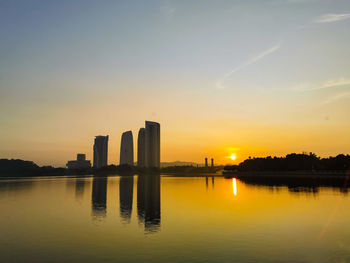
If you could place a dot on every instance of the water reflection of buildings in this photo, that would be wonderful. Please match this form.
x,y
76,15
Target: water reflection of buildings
x,y
99,196
126,186
148,201
207,182
79,188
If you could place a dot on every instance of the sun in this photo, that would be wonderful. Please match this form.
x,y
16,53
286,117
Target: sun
x,y
233,157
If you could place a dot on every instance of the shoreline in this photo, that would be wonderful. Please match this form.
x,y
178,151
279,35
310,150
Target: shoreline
x,y
284,174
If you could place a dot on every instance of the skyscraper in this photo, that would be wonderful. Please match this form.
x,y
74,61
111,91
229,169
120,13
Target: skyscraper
x,y
127,149
100,151
152,144
141,147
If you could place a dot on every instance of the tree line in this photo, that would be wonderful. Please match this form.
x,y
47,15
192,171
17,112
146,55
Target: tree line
x,y
294,162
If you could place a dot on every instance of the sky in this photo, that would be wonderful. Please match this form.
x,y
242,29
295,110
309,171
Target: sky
x,y
250,78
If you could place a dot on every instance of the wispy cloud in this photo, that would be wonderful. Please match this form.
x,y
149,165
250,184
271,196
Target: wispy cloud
x,y
336,83
253,60
337,88
337,97
329,18
326,85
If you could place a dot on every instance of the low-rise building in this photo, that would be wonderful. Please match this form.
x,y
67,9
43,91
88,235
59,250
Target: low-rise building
x,y
79,163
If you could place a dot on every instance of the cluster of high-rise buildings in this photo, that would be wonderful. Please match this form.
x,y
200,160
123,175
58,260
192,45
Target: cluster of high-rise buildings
x,y
148,146
148,149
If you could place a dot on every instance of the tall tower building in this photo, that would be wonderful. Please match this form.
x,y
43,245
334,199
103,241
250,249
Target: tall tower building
x,y
100,151
127,149
141,148
152,144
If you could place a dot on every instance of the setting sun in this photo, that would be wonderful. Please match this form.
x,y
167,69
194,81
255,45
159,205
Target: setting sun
x,y
233,157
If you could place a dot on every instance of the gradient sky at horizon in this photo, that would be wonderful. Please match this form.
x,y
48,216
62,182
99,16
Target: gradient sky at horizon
x,y
254,78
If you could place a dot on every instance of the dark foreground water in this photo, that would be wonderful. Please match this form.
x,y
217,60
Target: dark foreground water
x,y
170,219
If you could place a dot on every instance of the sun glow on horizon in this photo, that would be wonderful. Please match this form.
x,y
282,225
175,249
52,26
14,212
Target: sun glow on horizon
x,y
233,157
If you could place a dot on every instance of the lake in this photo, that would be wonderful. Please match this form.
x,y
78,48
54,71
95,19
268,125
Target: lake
x,y
170,219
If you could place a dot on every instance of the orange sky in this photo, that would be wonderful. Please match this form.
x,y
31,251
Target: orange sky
x,y
219,77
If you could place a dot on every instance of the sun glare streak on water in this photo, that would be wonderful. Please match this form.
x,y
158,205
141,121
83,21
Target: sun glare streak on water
x,y
234,186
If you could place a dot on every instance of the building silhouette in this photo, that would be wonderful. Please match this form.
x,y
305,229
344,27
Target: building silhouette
x,y
206,162
99,196
141,148
212,162
152,144
127,149
148,201
79,163
126,186
100,151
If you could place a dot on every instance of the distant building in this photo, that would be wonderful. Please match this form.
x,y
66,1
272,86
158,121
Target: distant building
x,y
152,144
100,151
81,157
212,162
206,162
79,163
141,148
127,149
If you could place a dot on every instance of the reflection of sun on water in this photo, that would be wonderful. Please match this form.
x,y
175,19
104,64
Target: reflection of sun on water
x,y
234,186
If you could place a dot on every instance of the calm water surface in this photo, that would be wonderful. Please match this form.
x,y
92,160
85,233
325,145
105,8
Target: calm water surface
x,y
170,219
